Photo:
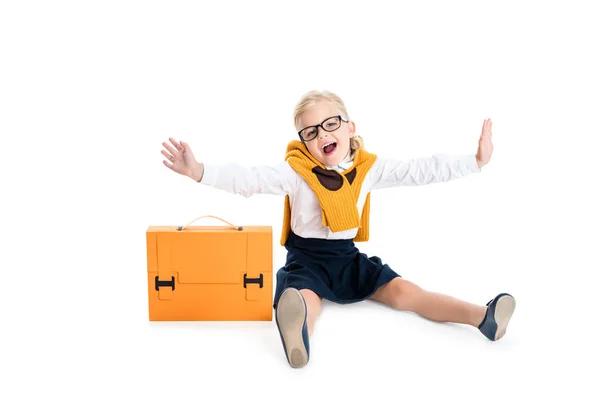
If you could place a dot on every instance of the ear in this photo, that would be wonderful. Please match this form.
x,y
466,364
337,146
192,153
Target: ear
x,y
351,128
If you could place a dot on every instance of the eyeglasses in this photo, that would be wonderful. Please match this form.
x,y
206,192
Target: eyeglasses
x,y
329,125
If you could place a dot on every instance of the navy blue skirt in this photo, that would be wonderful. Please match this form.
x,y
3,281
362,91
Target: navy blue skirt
x,y
333,269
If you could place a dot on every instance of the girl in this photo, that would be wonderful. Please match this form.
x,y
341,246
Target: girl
x,y
326,178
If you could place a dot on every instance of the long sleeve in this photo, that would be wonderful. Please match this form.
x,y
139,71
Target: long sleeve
x,y
280,179
421,171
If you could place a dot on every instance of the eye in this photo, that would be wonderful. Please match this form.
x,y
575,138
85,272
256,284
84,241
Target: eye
x,y
308,134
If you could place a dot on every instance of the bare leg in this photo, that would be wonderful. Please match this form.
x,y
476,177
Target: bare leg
x,y
313,308
405,295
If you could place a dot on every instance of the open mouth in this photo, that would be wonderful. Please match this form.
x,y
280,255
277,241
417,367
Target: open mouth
x,y
329,148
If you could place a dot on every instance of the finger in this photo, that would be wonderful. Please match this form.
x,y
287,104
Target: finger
x,y
177,145
488,127
170,166
170,148
169,156
485,130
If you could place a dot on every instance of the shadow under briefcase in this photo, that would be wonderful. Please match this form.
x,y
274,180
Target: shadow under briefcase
x,y
210,273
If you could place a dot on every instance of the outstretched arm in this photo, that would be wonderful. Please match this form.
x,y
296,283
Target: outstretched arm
x,y
280,179
421,171
438,168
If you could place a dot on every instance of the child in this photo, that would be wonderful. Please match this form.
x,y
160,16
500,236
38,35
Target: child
x,y
327,177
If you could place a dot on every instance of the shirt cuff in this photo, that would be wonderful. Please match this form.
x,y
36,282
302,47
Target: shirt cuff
x,y
471,162
211,175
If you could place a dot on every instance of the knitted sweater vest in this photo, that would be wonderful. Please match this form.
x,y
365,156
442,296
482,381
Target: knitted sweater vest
x,y
337,192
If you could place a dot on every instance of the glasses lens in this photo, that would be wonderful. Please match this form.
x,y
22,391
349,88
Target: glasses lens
x,y
331,124
309,133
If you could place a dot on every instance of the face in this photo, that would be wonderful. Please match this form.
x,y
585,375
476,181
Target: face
x,y
340,138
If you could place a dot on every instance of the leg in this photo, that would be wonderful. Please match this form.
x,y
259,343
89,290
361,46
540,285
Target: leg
x,y
313,308
295,315
405,295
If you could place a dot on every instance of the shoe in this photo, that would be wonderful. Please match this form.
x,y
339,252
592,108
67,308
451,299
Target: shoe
x,y
498,313
290,317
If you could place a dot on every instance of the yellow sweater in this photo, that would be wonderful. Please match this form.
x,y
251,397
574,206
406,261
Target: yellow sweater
x,y
337,192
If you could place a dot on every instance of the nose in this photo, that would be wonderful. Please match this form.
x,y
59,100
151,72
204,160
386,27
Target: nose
x,y
322,131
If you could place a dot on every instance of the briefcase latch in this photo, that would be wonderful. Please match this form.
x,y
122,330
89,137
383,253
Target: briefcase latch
x,y
258,280
170,283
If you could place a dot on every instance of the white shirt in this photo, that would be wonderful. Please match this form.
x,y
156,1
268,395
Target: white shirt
x,y
282,179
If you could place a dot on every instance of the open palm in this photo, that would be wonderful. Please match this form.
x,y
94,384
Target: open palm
x,y
180,156
486,148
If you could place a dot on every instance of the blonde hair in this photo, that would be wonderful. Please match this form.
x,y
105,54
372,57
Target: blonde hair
x,y
310,98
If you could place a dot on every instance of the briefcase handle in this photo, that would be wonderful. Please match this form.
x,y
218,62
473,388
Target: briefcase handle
x,y
237,228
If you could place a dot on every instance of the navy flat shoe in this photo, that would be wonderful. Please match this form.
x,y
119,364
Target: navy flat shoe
x,y
498,313
290,317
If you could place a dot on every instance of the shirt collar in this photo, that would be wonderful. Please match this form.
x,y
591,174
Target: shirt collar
x,y
345,164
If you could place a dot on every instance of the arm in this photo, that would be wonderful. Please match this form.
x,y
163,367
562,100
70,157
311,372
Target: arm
x,y
421,171
439,168
280,179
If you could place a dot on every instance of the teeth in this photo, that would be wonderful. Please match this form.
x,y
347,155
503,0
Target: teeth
x,y
327,144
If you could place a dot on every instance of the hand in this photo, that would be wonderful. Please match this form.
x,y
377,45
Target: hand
x,y
181,158
484,152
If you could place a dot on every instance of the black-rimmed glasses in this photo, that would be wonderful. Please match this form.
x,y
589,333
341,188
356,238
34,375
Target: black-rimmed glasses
x,y
329,125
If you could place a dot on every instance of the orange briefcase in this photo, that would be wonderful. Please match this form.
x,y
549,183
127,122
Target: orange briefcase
x,y
210,273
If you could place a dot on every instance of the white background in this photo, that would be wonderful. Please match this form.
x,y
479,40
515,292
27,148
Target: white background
x,y
89,90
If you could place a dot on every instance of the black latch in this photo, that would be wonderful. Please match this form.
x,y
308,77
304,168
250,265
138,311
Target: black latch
x,y
253,280
158,283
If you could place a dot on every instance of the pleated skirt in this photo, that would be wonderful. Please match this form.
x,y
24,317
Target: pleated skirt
x,y
334,269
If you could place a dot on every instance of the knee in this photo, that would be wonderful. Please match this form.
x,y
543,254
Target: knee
x,y
404,293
